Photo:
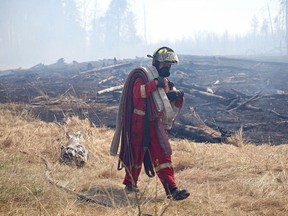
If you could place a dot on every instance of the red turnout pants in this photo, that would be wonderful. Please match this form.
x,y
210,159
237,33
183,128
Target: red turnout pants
x,y
161,162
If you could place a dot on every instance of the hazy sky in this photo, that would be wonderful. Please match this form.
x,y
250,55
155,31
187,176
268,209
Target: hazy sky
x,y
166,20
177,19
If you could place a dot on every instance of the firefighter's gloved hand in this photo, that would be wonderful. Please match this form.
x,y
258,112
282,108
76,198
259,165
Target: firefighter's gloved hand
x,y
161,83
174,95
170,84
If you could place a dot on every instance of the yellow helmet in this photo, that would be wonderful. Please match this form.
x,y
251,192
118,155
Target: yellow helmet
x,y
164,54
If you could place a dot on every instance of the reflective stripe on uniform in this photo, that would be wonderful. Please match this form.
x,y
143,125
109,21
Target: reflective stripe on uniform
x,y
142,91
163,166
139,112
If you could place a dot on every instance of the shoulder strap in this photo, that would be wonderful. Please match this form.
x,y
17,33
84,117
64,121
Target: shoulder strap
x,y
160,98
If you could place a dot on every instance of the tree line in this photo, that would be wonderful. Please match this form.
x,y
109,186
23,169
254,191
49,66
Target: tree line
x,y
32,31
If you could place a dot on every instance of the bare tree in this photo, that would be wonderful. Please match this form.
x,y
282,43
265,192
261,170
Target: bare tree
x,y
116,29
34,32
254,25
284,12
286,26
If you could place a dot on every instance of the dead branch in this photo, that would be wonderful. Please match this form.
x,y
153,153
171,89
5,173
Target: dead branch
x,y
201,134
48,171
207,96
254,108
278,114
105,68
233,103
241,94
255,97
191,86
106,80
253,125
216,102
111,89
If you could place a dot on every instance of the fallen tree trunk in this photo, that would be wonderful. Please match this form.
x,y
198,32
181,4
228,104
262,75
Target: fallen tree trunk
x,y
198,134
106,68
111,89
207,96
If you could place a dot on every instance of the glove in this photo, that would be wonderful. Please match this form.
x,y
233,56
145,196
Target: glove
x,y
174,95
170,84
161,83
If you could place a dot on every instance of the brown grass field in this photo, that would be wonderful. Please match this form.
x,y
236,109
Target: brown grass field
x,y
234,178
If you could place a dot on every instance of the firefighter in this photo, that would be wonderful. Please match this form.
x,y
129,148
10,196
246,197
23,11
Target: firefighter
x,y
144,136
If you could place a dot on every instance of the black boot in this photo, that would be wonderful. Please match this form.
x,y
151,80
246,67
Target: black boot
x,y
178,194
131,188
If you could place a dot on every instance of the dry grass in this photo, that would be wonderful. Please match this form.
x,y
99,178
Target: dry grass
x,y
224,179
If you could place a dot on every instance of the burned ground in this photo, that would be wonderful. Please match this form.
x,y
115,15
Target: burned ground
x,y
222,95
